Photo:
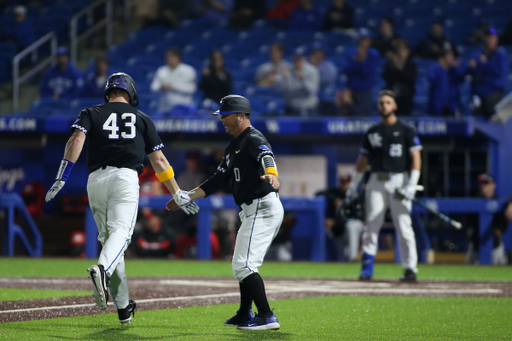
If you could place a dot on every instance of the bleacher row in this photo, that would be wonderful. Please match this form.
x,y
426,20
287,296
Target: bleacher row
x,y
144,50
54,17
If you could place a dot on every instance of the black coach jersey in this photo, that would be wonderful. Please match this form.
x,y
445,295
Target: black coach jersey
x,y
241,167
390,146
118,136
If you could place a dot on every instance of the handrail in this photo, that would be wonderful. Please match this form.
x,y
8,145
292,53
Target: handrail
x,y
107,22
16,79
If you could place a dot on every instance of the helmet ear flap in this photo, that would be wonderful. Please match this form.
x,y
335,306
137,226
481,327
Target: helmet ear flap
x,y
135,99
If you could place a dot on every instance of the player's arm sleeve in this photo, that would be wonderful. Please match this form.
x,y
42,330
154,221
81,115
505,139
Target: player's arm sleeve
x,y
366,148
152,141
83,121
413,141
260,150
216,181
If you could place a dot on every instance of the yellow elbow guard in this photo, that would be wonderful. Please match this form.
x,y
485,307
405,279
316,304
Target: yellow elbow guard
x,y
165,175
271,170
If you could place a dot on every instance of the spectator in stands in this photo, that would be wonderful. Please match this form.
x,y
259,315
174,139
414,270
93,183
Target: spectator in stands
x,y
306,17
436,41
213,10
384,40
171,13
344,103
361,69
400,72
489,69
245,12
327,70
445,78
299,87
279,15
94,82
152,239
175,81
339,17
499,224
216,81
63,80
266,73
193,174
478,35
22,33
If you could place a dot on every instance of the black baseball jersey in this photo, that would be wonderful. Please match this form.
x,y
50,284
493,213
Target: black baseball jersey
x,y
389,147
241,168
118,134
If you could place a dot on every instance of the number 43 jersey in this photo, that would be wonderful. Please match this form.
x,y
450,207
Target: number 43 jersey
x,y
389,147
118,136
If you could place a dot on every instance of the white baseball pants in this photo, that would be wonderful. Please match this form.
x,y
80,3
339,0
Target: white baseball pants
x,y
380,196
261,221
114,199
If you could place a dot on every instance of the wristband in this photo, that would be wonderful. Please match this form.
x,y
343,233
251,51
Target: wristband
x,y
165,175
415,176
65,168
271,170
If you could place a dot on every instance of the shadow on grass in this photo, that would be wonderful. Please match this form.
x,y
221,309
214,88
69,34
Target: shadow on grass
x,y
124,334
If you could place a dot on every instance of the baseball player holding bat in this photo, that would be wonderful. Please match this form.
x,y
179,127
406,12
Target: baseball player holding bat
x,y
119,135
393,150
248,166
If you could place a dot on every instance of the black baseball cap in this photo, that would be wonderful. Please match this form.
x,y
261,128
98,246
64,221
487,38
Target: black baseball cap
x,y
486,179
234,104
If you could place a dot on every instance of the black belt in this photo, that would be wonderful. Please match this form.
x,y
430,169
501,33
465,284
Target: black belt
x,y
248,202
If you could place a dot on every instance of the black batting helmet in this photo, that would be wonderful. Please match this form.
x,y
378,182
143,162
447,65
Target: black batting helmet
x,y
234,104
123,81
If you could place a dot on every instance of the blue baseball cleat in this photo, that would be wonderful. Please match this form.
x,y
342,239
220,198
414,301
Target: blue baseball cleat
x,y
262,323
240,318
367,263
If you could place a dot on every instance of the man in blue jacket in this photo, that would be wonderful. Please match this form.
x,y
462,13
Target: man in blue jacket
x,y
489,69
361,70
63,80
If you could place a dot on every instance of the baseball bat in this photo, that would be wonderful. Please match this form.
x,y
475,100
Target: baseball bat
x,y
443,217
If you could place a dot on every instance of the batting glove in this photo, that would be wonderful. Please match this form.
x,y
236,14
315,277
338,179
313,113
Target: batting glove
x,y
61,178
409,191
182,199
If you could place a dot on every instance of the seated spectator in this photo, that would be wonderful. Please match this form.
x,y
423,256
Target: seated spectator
x,y
327,70
489,70
361,69
245,12
94,82
445,78
152,239
328,73
499,224
339,17
299,87
279,15
306,17
216,81
400,74
63,80
171,13
22,33
383,42
266,73
193,174
436,41
213,10
344,103
175,81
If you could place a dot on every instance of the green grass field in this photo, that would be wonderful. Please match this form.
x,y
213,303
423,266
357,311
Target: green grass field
x,y
324,318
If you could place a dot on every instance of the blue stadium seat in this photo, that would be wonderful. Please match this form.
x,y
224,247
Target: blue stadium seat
x,y
47,106
85,102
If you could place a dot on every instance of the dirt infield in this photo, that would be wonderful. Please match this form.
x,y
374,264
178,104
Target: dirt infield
x,y
173,292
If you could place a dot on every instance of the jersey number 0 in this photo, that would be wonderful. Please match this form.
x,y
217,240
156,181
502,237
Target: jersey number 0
x,y
111,125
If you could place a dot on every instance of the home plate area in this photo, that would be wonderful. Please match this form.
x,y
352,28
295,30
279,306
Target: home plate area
x,y
153,293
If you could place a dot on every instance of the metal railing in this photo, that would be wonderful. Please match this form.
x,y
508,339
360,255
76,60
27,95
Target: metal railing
x,y
88,11
16,79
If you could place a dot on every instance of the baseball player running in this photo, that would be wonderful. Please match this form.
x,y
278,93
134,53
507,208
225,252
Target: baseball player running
x,y
393,148
119,135
248,166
